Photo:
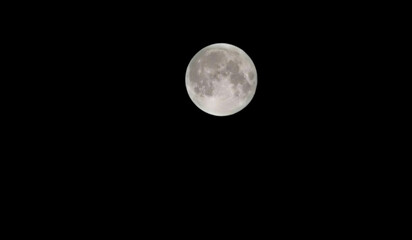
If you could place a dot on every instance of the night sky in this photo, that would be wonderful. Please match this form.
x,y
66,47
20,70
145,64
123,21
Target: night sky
x,y
125,101
112,131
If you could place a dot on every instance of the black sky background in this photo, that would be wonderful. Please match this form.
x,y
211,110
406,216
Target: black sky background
x,y
115,123
126,72
122,69
117,74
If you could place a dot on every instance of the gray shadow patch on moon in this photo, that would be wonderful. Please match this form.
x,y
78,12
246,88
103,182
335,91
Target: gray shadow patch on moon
x,y
233,67
237,78
246,87
213,59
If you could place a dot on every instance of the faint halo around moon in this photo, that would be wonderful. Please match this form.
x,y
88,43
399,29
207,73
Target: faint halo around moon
x,y
221,79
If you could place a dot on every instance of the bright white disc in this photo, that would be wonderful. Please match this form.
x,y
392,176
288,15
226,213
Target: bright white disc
x,y
221,79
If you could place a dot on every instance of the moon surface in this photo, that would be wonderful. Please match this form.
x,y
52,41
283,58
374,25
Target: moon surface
x,y
221,79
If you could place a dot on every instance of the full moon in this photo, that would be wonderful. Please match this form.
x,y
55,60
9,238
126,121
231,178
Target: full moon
x,y
221,79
